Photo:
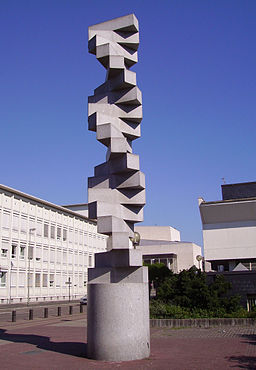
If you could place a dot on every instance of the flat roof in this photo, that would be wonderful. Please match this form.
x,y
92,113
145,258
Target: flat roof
x,y
75,205
45,202
240,183
150,242
228,201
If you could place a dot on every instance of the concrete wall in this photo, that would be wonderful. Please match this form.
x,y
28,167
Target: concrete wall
x,y
238,191
158,233
229,229
243,283
229,241
64,252
186,252
82,209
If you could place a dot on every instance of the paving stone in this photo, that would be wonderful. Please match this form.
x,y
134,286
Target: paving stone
x,y
62,345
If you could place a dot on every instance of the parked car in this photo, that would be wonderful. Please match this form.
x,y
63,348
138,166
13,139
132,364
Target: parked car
x,y
83,300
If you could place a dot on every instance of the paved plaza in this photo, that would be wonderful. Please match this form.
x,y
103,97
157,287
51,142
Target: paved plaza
x,y
60,343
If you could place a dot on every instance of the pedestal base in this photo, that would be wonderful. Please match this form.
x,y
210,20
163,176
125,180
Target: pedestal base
x,y
118,319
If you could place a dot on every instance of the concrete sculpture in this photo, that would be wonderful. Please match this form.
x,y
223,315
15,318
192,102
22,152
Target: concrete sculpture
x,y
118,314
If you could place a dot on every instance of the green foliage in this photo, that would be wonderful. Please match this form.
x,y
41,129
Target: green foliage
x,y
252,313
158,272
187,295
161,310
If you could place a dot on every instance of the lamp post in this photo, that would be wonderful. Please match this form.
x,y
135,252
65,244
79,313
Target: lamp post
x,y
199,259
136,239
10,286
29,241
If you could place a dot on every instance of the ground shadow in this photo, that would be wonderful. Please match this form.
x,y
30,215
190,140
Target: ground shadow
x,y
243,362
69,348
251,338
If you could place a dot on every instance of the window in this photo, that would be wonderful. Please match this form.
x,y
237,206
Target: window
x,y
70,257
90,261
52,232
253,266
45,254
21,279
4,249
39,228
75,280
64,257
24,224
15,222
45,279
6,220
64,280
80,280
58,256
14,250
38,253
30,280
32,223
80,259
65,231
46,230
4,252
76,236
13,279
251,301
22,252
3,275
57,280
70,238
52,255
30,252
38,280
148,262
51,280
58,233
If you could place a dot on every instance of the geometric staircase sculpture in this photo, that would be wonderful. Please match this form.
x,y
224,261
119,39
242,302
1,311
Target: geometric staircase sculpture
x,y
116,193
118,304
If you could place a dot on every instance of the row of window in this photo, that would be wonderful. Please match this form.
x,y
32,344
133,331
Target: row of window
x,y
40,228
38,280
46,254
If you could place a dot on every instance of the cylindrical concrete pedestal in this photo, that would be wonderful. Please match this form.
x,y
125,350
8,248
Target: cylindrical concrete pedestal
x,y
118,321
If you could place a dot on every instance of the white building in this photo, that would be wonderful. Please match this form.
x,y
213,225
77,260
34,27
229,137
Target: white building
x,y
229,228
162,244
45,249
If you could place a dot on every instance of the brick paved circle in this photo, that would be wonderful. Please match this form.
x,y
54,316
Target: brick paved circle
x,y
60,344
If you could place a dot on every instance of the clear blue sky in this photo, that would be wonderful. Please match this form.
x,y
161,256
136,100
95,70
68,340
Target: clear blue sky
x,y
196,70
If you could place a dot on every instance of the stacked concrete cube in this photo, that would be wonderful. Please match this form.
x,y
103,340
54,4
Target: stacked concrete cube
x,y
116,193
118,320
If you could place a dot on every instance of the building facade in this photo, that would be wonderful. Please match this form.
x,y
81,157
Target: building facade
x,y
229,228
45,249
162,244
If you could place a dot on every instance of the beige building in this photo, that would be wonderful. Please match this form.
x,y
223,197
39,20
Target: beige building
x,y
162,244
45,249
229,228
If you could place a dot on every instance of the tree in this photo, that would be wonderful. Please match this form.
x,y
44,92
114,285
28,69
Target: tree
x,y
189,289
157,273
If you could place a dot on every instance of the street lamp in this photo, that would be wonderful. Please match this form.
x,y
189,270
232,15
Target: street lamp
x,y
199,259
136,239
29,241
69,287
10,287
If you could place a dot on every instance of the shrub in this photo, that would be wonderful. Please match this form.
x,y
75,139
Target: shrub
x,y
187,295
161,310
